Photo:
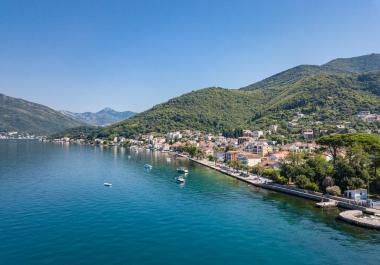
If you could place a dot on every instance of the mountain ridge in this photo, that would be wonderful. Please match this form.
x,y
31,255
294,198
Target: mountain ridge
x,y
327,92
105,116
20,115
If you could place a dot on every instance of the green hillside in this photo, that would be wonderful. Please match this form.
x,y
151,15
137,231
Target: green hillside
x,y
210,109
360,64
24,116
324,94
289,77
326,97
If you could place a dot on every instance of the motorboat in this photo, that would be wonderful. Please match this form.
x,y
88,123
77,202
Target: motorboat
x,y
182,170
180,179
107,184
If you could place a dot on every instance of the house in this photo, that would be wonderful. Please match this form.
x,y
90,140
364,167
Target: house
x,y
358,194
220,156
300,115
173,136
259,148
249,159
231,155
247,133
270,164
281,155
257,134
363,113
165,148
299,147
273,128
244,139
307,134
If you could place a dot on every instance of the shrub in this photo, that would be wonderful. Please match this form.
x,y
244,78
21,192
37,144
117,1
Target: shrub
x,y
270,173
312,186
281,180
302,181
334,190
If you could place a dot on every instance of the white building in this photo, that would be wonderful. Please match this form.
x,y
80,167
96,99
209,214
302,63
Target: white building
x,y
257,134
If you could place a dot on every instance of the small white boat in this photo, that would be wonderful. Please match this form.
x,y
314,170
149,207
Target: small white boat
x,y
107,184
182,170
180,179
148,167
129,157
168,159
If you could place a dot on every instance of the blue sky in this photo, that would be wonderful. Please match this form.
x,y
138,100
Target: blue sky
x,y
129,55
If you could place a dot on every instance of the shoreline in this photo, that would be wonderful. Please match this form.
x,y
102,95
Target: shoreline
x,y
269,185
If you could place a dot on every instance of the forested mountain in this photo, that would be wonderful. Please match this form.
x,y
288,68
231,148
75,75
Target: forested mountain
x,y
24,116
106,116
328,94
360,64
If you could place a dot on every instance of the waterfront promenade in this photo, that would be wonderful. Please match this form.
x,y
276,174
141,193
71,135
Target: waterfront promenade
x,y
266,183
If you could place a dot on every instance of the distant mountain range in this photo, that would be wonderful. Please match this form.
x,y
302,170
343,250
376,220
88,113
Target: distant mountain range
x,y
28,117
104,117
332,93
24,116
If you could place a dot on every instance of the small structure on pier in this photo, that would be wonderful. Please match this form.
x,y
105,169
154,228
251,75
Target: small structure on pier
x,y
358,194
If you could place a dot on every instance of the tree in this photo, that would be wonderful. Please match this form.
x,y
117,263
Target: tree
x,y
320,168
302,181
327,182
236,164
333,142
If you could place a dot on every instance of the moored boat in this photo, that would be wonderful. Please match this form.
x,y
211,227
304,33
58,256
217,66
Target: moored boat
x,y
182,170
180,179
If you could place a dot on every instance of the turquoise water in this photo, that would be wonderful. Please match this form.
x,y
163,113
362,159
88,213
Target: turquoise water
x,y
54,209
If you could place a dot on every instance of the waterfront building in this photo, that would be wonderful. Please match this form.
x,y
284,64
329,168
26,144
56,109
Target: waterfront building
x,y
358,194
248,159
231,155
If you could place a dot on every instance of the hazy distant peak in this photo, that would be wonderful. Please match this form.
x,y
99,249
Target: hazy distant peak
x,y
103,117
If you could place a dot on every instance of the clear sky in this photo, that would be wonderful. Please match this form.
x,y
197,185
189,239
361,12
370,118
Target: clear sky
x,y
129,55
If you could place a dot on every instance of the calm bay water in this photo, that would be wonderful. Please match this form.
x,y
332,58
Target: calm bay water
x,y
54,209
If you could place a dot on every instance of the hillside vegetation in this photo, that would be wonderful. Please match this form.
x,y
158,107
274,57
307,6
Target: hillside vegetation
x,y
329,93
24,116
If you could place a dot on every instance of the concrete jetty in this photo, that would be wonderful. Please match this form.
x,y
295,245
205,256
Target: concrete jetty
x,y
358,218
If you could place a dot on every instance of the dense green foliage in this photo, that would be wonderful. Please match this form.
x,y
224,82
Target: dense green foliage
x,y
24,116
211,109
355,164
